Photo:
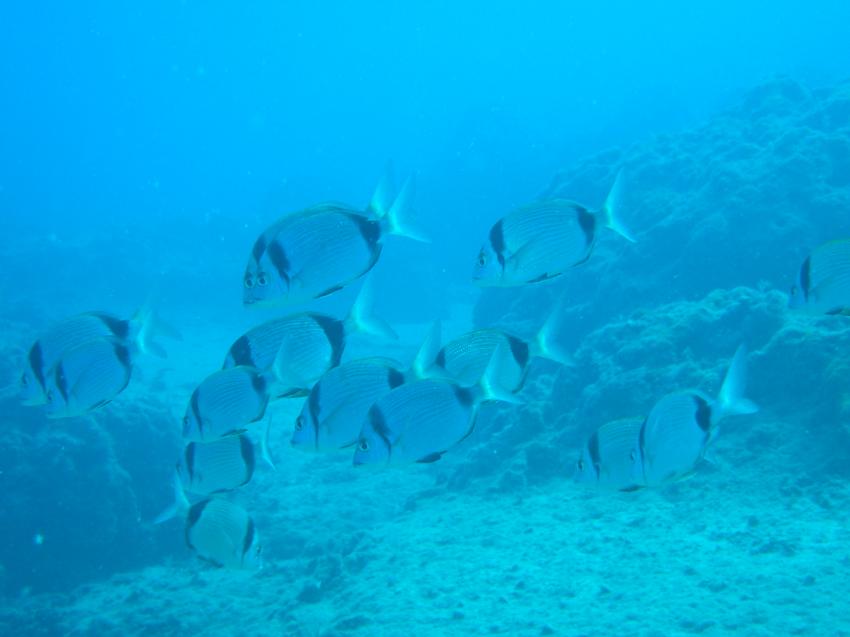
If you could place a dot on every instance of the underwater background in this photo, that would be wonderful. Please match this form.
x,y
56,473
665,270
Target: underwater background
x,y
145,145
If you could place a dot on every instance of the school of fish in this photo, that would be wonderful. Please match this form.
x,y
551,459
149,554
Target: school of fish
x,y
381,411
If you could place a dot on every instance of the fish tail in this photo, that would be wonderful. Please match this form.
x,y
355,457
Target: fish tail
x,y
180,505
382,198
612,208
148,326
397,219
264,444
732,401
427,351
545,345
361,318
489,386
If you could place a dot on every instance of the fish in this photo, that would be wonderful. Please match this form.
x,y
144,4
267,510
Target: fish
x,y
331,417
419,421
226,403
209,468
465,358
681,426
823,282
223,534
299,348
136,333
609,457
87,377
320,250
543,240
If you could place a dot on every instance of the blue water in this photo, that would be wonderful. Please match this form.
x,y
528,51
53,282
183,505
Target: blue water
x,y
144,146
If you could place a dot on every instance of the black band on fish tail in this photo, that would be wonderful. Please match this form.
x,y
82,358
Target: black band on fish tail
x,y
36,360
119,327
519,349
192,518
123,354
440,360
394,378
335,333
279,260
587,222
703,413
593,450
247,451
249,537
806,277
370,230
464,396
189,455
240,352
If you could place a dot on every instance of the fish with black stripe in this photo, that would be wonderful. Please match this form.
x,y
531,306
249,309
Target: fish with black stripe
x,y
680,427
823,282
87,377
300,347
420,421
320,250
543,240
609,458
136,334
223,534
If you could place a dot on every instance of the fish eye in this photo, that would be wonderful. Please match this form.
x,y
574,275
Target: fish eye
x,y
482,258
793,290
364,445
299,423
580,465
24,380
249,282
49,397
262,279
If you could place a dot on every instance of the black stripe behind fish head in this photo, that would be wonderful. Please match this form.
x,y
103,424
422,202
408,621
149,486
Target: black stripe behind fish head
x,y
259,248
497,242
196,410
249,537
394,378
379,425
806,277
277,255
61,381
259,383
593,451
192,517
703,413
587,222
36,361
189,455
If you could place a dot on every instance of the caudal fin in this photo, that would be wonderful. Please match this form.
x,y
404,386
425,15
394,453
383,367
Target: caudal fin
x,y
545,345
180,505
731,400
148,326
612,208
424,361
397,221
362,319
489,386
384,195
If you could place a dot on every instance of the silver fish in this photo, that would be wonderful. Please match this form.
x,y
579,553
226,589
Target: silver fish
x,y
87,377
609,458
543,240
680,427
421,420
465,358
318,251
226,403
135,333
224,535
823,283
331,417
299,348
